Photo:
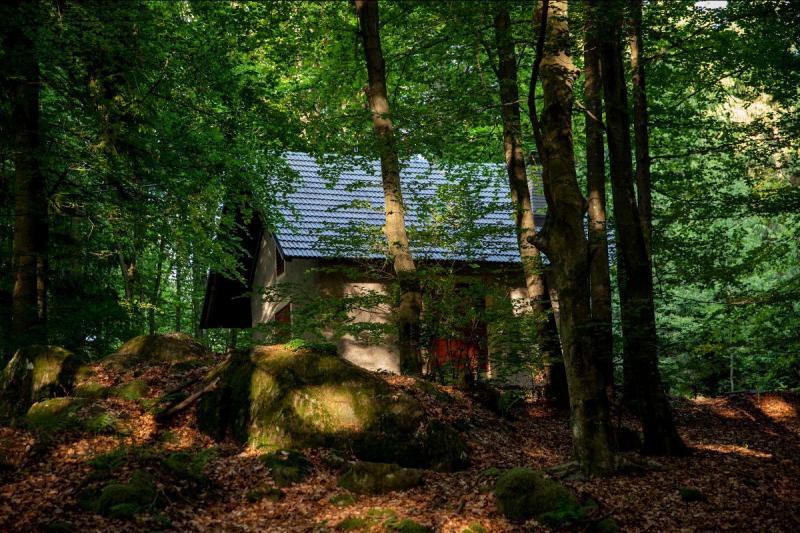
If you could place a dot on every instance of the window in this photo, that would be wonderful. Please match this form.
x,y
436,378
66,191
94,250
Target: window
x,y
280,262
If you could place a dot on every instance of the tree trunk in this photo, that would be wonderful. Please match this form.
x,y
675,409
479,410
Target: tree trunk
x,y
599,278
410,305
524,220
565,244
643,388
29,295
198,290
640,121
178,295
156,294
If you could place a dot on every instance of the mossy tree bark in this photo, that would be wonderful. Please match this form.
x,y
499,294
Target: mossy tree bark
x,y
524,220
643,389
599,277
409,308
29,296
565,243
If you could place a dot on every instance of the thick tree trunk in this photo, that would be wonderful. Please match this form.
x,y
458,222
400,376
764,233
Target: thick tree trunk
x,y
599,278
640,121
29,293
524,220
565,244
643,388
410,305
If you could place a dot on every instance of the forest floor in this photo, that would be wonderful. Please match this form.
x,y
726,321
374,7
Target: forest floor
x,y
745,461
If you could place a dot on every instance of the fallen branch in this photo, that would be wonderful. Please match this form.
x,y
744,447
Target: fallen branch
x,y
187,402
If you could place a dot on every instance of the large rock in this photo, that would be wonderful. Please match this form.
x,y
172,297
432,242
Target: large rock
x,y
36,373
276,397
166,348
522,494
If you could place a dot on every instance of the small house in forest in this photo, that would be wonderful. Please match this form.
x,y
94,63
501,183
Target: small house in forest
x,y
330,244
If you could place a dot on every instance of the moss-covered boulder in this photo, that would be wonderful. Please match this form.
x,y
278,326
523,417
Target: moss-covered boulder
x,y
523,494
378,478
55,414
124,500
155,349
278,397
36,373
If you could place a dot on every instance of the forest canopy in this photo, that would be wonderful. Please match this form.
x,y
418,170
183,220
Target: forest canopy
x,y
152,115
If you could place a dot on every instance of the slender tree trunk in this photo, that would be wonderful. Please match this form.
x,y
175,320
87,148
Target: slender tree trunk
x,y
640,121
599,278
410,305
127,266
565,244
156,295
643,388
198,290
524,220
178,296
29,295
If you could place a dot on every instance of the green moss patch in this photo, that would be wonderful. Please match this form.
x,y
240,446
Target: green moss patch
x,y
378,478
523,494
189,464
406,525
343,500
287,467
92,390
353,523
123,500
133,390
269,493
691,494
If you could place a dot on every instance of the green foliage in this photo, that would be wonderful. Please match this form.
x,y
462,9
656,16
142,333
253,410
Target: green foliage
x,y
189,464
105,464
156,114
103,423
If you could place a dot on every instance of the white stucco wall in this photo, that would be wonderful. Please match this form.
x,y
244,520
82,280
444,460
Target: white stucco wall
x,y
299,275
372,356
296,273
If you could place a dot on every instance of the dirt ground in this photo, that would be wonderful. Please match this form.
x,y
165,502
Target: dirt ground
x,y
745,461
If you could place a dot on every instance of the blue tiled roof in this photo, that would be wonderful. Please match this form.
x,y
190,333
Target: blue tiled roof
x,y
328,204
